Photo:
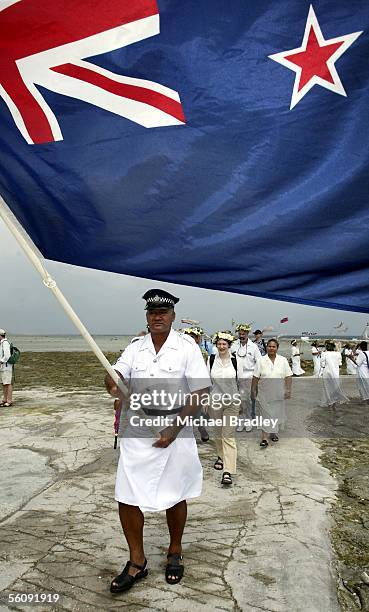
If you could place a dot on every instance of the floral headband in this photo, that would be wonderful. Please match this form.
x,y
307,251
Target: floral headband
x,y
196,331
222,336
242,327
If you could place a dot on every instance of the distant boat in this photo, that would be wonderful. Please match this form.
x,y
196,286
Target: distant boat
x,y
190,322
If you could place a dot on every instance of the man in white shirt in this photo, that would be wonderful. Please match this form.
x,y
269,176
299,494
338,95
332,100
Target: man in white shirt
x,y
6,370
247,354
159,473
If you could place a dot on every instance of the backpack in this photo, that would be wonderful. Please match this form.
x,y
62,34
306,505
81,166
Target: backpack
x,y
233,359
14,355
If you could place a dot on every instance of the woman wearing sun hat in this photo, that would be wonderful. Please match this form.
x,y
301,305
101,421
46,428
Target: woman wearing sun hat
x,y
223,372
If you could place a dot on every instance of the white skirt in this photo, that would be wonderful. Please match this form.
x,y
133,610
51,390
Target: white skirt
x,y
316,362
363,386
332,392
351,368
158,478
296,366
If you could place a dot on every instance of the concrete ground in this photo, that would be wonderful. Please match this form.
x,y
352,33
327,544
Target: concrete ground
x,y
261,545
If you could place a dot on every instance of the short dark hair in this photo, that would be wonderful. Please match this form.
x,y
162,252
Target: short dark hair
x,y
257,331
223,340
363,345
273,340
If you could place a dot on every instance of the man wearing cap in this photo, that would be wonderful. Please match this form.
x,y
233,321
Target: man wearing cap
x,y
247,354
260,342
161,470
6,370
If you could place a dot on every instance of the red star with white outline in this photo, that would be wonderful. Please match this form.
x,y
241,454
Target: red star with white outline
x,y
314,62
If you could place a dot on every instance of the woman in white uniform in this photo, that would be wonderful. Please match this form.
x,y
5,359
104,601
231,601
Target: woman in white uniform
x,y
295,360
271,384
223,371
362,369
316,358
159,469
330,363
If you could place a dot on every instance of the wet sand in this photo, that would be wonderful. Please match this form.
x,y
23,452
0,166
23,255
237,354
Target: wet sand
x,y
345,446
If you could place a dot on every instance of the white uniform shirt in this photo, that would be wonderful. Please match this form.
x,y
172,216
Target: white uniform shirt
x,y
4,354
247,356
265,368
178,366
271,386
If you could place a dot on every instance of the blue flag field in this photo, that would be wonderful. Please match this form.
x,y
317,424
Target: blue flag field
x,y
216,144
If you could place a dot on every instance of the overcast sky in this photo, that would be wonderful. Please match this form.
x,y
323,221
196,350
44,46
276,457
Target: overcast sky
x,y
111,303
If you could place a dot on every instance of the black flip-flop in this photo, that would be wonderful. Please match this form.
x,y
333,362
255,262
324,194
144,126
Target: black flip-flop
x,y
264,444
274,438
174,570
125,581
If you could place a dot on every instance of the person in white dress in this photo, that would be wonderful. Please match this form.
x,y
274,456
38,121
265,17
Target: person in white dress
x,y
330,363
351,366
316,357
223,369
296,359
247,353
362,371
271,385
159,467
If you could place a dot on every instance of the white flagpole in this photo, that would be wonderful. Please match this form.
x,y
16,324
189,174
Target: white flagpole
x,y
35,257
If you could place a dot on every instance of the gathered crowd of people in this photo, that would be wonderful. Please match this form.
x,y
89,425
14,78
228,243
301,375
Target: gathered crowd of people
x,y
186,379
231,383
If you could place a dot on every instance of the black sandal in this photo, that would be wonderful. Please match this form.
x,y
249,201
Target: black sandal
x,y
274,438
125,581
264,443
218,465
226,479
174,568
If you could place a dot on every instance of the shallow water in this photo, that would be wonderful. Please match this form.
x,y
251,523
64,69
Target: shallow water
x,y
68,343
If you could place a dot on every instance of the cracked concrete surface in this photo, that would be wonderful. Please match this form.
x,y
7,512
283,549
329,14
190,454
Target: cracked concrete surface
x,y
261,545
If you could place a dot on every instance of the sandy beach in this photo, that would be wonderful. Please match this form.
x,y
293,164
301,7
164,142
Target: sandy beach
x,y
291,534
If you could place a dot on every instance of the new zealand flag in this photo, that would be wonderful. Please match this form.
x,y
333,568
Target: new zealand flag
x,y
207,143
